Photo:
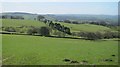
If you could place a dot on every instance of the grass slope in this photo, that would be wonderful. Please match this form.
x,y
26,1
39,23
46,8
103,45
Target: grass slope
x,y
20,50
14,23
73,27
86,27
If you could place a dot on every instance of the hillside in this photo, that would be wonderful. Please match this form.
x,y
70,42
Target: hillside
x,y
86,27
85,17
27,16
15,23
73,27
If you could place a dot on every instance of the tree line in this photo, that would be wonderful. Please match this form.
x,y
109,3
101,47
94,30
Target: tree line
x,y
11,17
100,22
97,35
30,30
45,31
56,26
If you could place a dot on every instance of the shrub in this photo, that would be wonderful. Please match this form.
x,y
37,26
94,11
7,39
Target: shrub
x,y
90,35
99,35
10,29
109,34
32,31
44,31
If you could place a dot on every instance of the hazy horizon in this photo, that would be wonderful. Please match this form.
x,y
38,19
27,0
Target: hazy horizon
x,y
56,14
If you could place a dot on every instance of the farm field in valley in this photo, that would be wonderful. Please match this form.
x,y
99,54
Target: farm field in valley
x,y
36,50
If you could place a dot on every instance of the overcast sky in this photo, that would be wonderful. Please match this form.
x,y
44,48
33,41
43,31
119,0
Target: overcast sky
x,y
55,7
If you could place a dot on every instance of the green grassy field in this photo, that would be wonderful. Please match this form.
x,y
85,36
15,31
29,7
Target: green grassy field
x,y
36,50
15,23
86,27
73,27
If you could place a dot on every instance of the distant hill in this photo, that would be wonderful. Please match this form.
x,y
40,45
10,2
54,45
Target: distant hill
x,y
84,17
27,16
112,19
